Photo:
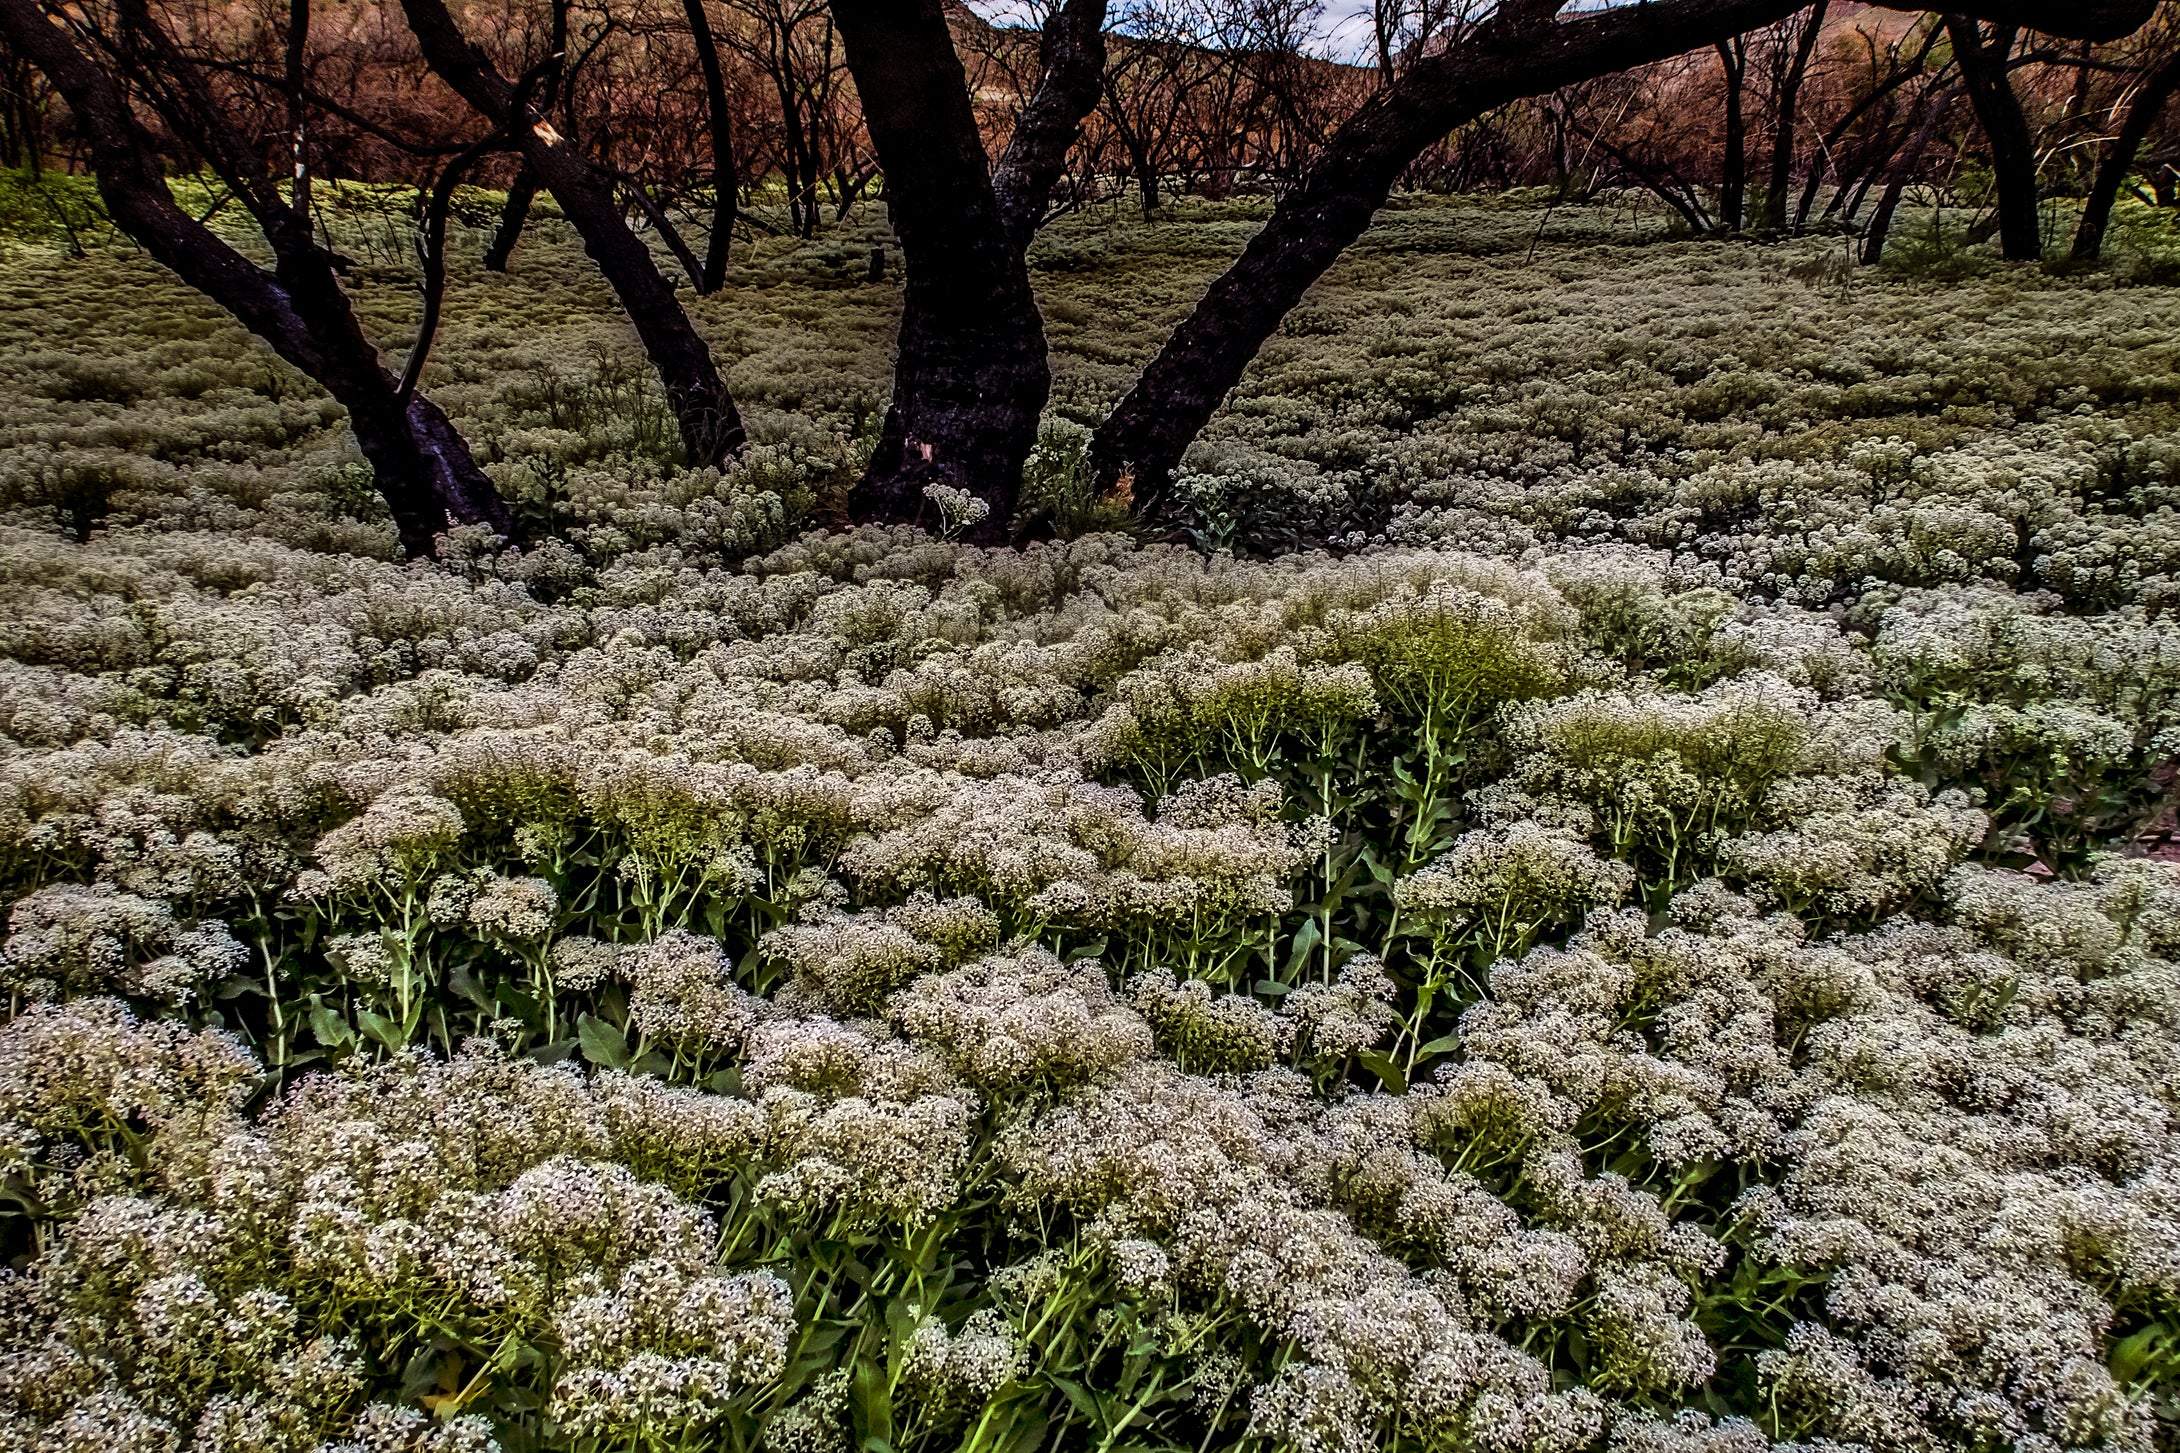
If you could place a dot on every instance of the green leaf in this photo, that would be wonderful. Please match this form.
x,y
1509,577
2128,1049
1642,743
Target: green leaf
x,y
1272,988
2133,1356
464,983
603,1043
1306,939
1085,1401
873,1407
332,1031
382,1029
1089,950
1387,1069
1025,1436
1444,1044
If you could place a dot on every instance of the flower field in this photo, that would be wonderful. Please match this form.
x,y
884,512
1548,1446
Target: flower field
x,y
1664,939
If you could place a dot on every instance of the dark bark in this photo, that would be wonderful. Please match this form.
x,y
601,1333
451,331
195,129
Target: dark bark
x,y
1902,172
513,218
726,179
1073,80
293,73
432,258
970,376
1733,179
2119,158
419,462
1898,76
1983,62
711,428
1522,50
1784,118
2067,19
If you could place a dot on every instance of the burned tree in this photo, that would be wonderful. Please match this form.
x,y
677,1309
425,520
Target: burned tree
x,y
1985,61
1524,49
711,427
101,64
970,374
2151,91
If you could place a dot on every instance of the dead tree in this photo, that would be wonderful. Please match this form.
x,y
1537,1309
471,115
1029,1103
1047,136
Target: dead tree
x,y
710,426
970,374
1789,71
719,124
2155,89
1984,58
418,461
1524,49
1733,181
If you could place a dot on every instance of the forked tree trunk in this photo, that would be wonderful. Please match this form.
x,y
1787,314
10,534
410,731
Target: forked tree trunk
x,y
419,463
1785,118
2119,158
711,428
970,374
1524,49
1984,75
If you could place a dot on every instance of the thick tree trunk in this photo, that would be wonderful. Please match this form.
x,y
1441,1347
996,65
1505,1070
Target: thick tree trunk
x,y
711,428
521,192
2066,19
1733,177
726,177
1522,50
1984,75
1785,117
1073,80
419,462
2119,159
971,374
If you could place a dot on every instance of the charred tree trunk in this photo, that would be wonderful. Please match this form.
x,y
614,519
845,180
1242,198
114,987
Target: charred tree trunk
x,y
971,375
1903,171
726,179
1733,177
711,428
1785,116
2119,159
419,462
1522,50
1984,75
521,192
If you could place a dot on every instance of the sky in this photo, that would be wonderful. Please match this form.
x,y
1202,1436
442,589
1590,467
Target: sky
x,y
1345,29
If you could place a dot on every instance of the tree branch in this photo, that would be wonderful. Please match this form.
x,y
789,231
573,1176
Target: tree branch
x,y
1067,91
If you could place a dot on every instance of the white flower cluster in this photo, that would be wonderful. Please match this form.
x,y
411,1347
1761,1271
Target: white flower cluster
x,y
97,938
1098,905
482,1190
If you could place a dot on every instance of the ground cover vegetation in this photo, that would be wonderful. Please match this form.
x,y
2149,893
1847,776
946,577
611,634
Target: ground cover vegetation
x,y
1658,944
1066,801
